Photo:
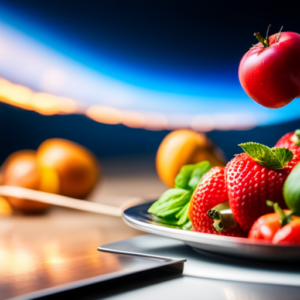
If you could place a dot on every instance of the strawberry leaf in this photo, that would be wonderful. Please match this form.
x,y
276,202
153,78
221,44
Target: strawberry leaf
x,y
283,155
275,158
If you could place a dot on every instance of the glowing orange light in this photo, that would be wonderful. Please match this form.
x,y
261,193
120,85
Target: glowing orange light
x,y
133,119
48,104
104,114
42,103
67,105
202,123
45,104
155,121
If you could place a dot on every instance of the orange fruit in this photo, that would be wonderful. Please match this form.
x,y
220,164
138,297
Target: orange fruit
x,y
21,169
77,168
182,147
5,208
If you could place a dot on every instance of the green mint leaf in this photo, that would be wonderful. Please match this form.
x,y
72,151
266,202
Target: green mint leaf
x,y
170,203
291,190
183,177
275,158
200,169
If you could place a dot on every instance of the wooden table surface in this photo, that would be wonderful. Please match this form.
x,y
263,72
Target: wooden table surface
x,y
40,251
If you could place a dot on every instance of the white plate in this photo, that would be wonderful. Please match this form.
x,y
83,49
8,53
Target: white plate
x,y
138,217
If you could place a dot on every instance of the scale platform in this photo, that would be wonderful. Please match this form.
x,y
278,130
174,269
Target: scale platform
x,y
150,266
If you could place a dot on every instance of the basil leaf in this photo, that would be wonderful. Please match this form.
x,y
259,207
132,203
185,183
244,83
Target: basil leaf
x,y
173,205
183,177
275,158
189,176
173,223
183,215
170,203
187,226
200,169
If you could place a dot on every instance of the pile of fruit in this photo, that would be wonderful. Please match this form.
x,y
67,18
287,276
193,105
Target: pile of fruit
x,y
58,166
257,195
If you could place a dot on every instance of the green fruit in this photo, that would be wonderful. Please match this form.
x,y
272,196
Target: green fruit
x,y
291,190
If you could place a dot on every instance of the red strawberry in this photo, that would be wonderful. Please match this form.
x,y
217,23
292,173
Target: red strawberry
x,y
290,140
250,183
210,192
287,141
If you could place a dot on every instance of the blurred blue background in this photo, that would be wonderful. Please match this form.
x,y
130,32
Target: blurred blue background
x,y
171,57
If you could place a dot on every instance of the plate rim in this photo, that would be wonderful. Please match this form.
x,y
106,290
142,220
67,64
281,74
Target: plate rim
x,y
203,237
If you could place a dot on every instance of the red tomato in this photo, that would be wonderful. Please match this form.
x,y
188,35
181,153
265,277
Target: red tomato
x,y
271,75
289,234
265,227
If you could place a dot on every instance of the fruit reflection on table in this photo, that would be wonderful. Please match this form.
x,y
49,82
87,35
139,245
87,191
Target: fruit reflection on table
x,y
56,248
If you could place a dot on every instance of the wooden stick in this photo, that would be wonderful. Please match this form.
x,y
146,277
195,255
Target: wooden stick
x,y
64,201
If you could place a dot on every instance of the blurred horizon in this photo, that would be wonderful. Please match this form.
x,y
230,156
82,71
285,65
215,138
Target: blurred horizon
x,y
23,129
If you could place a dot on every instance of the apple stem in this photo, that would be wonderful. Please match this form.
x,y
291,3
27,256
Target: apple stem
x,y
279,34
